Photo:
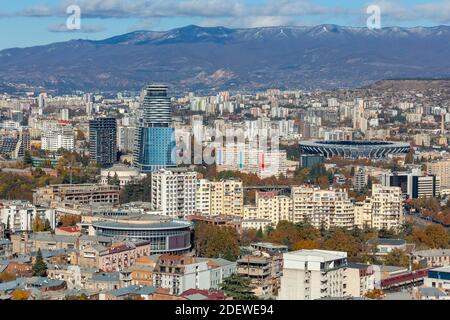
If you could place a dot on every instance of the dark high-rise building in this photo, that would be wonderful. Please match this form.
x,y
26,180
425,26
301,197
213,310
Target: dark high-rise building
x,y
155,138
103,141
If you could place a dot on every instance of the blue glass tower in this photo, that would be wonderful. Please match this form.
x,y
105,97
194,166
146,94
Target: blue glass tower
x,y
155,138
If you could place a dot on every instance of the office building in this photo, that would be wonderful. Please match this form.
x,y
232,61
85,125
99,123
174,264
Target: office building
x,y
155,137
103,141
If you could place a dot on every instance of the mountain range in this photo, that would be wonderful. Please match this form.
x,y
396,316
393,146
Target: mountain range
x,y
218,58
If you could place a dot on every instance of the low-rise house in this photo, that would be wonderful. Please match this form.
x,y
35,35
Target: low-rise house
x,y
134,292
385,246
114,258
180,273
198,294
41,283
5,248
19,267
427,293
74,276
104,282
438,278
432,258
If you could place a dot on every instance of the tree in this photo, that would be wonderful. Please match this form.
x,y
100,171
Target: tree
x,y
409,157
27,158
341,240
39,266
306,244
80,297
38,225
47,225
397,257
20,294
375,294
238,287
216,241
436,236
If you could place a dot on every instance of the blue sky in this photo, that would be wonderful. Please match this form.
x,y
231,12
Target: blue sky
x,y
33,22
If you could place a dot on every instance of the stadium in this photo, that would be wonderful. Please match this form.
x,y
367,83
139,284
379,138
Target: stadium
x,y
354,149
166,235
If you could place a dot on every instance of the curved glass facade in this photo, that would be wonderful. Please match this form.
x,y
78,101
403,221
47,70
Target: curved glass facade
x,y
155,138
161,240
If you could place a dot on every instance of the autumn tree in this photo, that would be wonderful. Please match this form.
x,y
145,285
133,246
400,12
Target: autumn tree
x,y
342,240
20,294
306,244
38,224
436,236
216,241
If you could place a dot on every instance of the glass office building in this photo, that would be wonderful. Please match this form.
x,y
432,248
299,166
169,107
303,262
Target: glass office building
x,y
155,137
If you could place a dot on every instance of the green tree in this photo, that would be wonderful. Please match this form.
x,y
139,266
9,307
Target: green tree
x,y
39,267
238,287
397,257
27,158
47,225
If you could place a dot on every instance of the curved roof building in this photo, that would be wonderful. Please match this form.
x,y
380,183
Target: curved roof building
x,y
354,149
166,235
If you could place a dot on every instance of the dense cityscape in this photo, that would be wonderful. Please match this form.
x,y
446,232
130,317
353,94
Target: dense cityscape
x,y
270,195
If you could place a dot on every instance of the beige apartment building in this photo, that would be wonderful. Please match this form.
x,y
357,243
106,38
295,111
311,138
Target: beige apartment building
x,y
224,197
328,208
440,169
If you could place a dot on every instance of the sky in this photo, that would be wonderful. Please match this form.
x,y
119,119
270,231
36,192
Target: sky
x,y
25,23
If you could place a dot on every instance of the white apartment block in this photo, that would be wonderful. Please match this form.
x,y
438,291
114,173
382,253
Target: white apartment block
x,y
313,274
19,215
387,209
243,157
56,136
174,192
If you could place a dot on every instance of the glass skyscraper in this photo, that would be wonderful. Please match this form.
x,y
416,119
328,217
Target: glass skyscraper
x,y
155,138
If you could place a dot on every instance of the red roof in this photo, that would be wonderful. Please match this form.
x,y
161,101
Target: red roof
x,y
69,229
211,295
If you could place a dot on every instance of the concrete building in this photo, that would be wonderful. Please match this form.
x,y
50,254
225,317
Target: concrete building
x,y
114,258
313,274
387,210
432,257
103,141
78,193
122,173
19,215
328,208
441,169
180,273
438,278
174,192
360,279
